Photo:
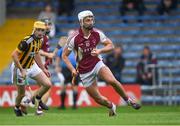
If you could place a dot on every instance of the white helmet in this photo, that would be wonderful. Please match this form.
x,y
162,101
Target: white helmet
x,y
84,14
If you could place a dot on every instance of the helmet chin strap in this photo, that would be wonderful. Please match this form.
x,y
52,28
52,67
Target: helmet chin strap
x,y
81,23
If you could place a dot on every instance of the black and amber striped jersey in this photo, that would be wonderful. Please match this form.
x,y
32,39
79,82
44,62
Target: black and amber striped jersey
x,y
27,48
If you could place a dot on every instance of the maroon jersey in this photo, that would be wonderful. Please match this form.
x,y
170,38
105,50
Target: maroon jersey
x,y
45,45
83,47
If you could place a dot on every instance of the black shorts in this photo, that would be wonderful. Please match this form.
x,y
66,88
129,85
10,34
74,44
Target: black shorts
x,y
68,76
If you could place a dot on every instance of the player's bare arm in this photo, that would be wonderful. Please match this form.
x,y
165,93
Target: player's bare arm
x,y
65,55
15,55
46,54
60,44
108,46
57,66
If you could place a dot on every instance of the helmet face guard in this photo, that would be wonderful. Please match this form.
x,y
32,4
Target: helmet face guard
x,y
39,29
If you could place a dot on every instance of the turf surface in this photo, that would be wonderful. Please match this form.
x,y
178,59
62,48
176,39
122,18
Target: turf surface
x,y
148,115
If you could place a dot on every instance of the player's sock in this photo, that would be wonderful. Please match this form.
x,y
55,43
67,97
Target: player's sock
x,y
112,110
75,94
38,97
40,103
17,110
35,100
43,106
63,97
126,98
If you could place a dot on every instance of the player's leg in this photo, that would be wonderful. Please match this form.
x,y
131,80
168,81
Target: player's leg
x,y
68,76
45,85
63,96
95,94
90,82
39,110
105,74
67,79
18,81
44,82
39,76
45,97
75,95
20,95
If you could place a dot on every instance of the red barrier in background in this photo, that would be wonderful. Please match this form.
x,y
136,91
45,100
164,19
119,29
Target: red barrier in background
x,y
8,95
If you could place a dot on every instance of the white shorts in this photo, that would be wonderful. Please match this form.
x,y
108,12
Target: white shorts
x,y
88,78
16,77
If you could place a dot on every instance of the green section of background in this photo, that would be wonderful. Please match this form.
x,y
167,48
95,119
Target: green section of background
x,y
148,115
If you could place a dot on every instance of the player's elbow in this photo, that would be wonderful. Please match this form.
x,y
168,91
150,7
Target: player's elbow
x,y
112,46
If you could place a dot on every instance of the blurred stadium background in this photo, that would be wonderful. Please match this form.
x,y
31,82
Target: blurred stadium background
x,y
160,32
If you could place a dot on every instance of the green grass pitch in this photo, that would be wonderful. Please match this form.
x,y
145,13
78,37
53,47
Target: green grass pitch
x,y
148,115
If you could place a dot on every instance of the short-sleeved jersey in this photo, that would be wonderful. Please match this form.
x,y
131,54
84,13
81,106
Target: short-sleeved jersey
x,y
83,47
27,48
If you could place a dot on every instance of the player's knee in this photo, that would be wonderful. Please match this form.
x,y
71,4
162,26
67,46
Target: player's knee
x,y
48,85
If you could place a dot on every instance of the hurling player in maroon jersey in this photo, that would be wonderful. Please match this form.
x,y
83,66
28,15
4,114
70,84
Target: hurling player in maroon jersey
x,y
89,61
